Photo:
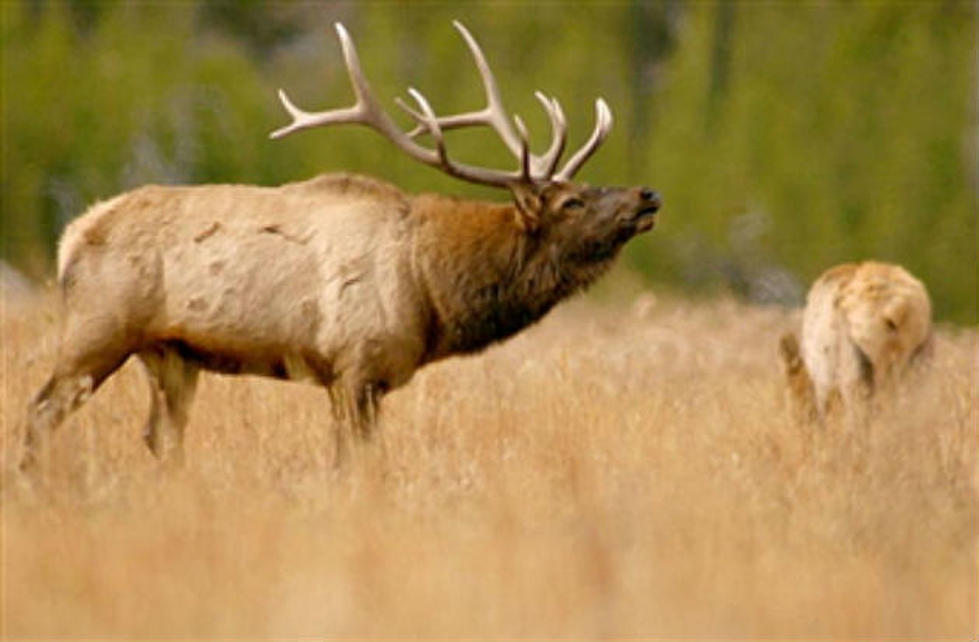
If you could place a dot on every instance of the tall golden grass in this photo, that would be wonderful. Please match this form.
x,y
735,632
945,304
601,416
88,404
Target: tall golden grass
x,y
612,472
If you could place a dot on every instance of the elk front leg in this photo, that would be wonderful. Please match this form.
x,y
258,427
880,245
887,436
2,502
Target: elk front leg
x,y
355,412
172,381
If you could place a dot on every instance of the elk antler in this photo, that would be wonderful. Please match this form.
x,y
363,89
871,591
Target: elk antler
x,y
533,168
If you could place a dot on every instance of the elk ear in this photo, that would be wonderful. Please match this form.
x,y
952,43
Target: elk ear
x,y
529,204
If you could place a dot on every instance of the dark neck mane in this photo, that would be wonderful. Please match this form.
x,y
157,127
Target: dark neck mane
x,y
486,278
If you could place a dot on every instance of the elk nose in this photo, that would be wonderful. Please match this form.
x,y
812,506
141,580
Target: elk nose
x,y
650,196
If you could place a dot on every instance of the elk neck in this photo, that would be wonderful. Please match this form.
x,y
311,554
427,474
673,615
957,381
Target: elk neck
x,y
485,277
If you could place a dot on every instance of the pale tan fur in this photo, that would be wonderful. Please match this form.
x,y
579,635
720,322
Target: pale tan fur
x,y
863,325
342,280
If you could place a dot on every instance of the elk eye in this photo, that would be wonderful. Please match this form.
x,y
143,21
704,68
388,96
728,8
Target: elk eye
x,y
573,204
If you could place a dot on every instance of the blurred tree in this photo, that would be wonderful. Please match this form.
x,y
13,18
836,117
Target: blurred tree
x,y
258,24
651,26
720,58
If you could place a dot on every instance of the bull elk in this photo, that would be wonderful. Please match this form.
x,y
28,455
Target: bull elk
x,y
863,325
342,279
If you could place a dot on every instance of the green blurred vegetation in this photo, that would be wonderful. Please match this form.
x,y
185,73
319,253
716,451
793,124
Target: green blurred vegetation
x,y
784,137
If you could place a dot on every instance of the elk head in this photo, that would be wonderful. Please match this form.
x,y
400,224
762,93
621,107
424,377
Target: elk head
x,y
590,223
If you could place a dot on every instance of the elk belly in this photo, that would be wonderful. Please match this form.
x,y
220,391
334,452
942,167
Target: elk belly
x,y
241,293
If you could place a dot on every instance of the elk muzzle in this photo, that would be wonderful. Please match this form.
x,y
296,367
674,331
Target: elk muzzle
x,y
649,202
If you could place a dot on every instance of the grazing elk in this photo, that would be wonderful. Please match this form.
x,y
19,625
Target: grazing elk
x,y
863,325
341,279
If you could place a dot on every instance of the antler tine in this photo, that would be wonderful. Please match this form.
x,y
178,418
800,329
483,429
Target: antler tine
x,y
359,112
361,89
603,124
418,116
493,114
559,135
428,120
524,149
303,119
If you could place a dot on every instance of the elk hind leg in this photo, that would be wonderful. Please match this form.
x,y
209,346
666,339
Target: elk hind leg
x,y
172,381
858,385
800,387
60,396
71,385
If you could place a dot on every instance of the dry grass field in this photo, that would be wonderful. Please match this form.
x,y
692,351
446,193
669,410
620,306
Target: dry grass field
x,y
616,471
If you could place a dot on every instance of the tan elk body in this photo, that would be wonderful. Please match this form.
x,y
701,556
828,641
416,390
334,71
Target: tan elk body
x,y
342,279
863,325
